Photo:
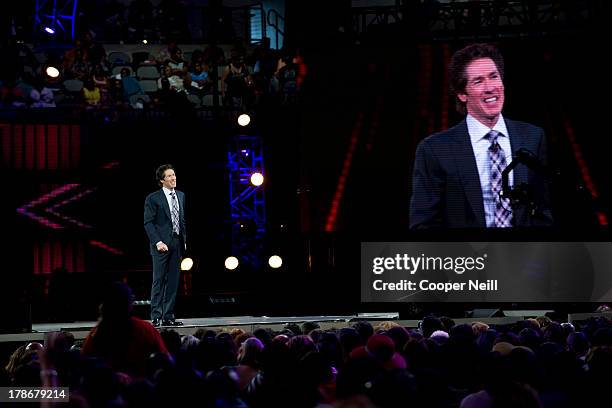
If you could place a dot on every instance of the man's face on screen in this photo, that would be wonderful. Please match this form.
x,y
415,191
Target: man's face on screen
x,y
484,91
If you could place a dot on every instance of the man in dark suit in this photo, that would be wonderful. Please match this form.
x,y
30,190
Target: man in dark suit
x,y
456,181
164,222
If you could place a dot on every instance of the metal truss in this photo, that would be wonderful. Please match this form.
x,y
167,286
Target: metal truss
x,y
59,15
247,202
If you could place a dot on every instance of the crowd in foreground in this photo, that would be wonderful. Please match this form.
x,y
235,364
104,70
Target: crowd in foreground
x,y
126,362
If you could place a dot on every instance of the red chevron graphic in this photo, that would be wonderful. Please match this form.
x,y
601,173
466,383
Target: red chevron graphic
x,y
53,209
40,209
47,209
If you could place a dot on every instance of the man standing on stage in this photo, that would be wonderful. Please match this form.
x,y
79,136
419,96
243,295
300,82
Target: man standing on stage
x,y
164,221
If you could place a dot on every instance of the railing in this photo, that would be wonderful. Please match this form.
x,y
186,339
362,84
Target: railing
x,y
364,17
437,20
274,18
249,20
202,24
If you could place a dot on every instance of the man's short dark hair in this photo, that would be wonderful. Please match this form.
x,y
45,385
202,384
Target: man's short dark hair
x,y
461,59
161,171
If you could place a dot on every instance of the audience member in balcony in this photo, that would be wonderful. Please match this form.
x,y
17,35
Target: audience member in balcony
x,y
42,99
75,62
198,80
94,51
91,93
171,96
287,75
236,84
456,179
197,55
165,53
140,103
72,54
213,55
116,94
176,62
131,86
100,79
264,62
12,97
171,81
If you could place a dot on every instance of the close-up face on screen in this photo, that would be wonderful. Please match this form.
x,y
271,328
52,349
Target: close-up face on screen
x,y
240,202
402,138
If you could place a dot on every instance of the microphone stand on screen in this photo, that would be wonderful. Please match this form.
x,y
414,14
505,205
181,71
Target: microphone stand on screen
x,y
520,195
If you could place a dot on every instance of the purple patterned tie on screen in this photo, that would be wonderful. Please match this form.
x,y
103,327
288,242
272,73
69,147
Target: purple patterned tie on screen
x,y
503,211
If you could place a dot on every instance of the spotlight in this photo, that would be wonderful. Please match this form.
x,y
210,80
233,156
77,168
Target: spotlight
x,y
52,72
49,30
244,119
145,42
257,179
186,264
231,263
275,261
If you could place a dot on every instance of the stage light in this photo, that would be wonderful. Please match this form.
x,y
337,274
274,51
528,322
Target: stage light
x,y
52,72
186,264
257,179
275,261
231,263
49,30
244,119
145,42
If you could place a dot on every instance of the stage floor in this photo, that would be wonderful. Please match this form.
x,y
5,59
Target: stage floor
x,y
247,323
80,329
250,323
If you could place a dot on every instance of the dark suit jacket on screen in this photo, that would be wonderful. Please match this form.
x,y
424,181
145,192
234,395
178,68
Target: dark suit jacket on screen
x,y
446,189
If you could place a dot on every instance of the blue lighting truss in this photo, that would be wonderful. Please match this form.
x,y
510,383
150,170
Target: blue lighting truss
x,y
59,15
247,202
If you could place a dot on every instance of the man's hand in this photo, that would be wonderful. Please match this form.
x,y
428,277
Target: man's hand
x,y
161,247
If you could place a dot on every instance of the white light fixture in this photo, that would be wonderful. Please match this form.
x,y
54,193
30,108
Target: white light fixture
x,y
231,263
275,261
244,119
257,179
186,264
52,72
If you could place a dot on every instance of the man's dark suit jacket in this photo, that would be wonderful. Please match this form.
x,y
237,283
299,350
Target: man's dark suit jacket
x,y
158,221
446,190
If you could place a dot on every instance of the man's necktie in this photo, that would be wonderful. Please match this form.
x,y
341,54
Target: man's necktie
x,y
174,212
497,160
